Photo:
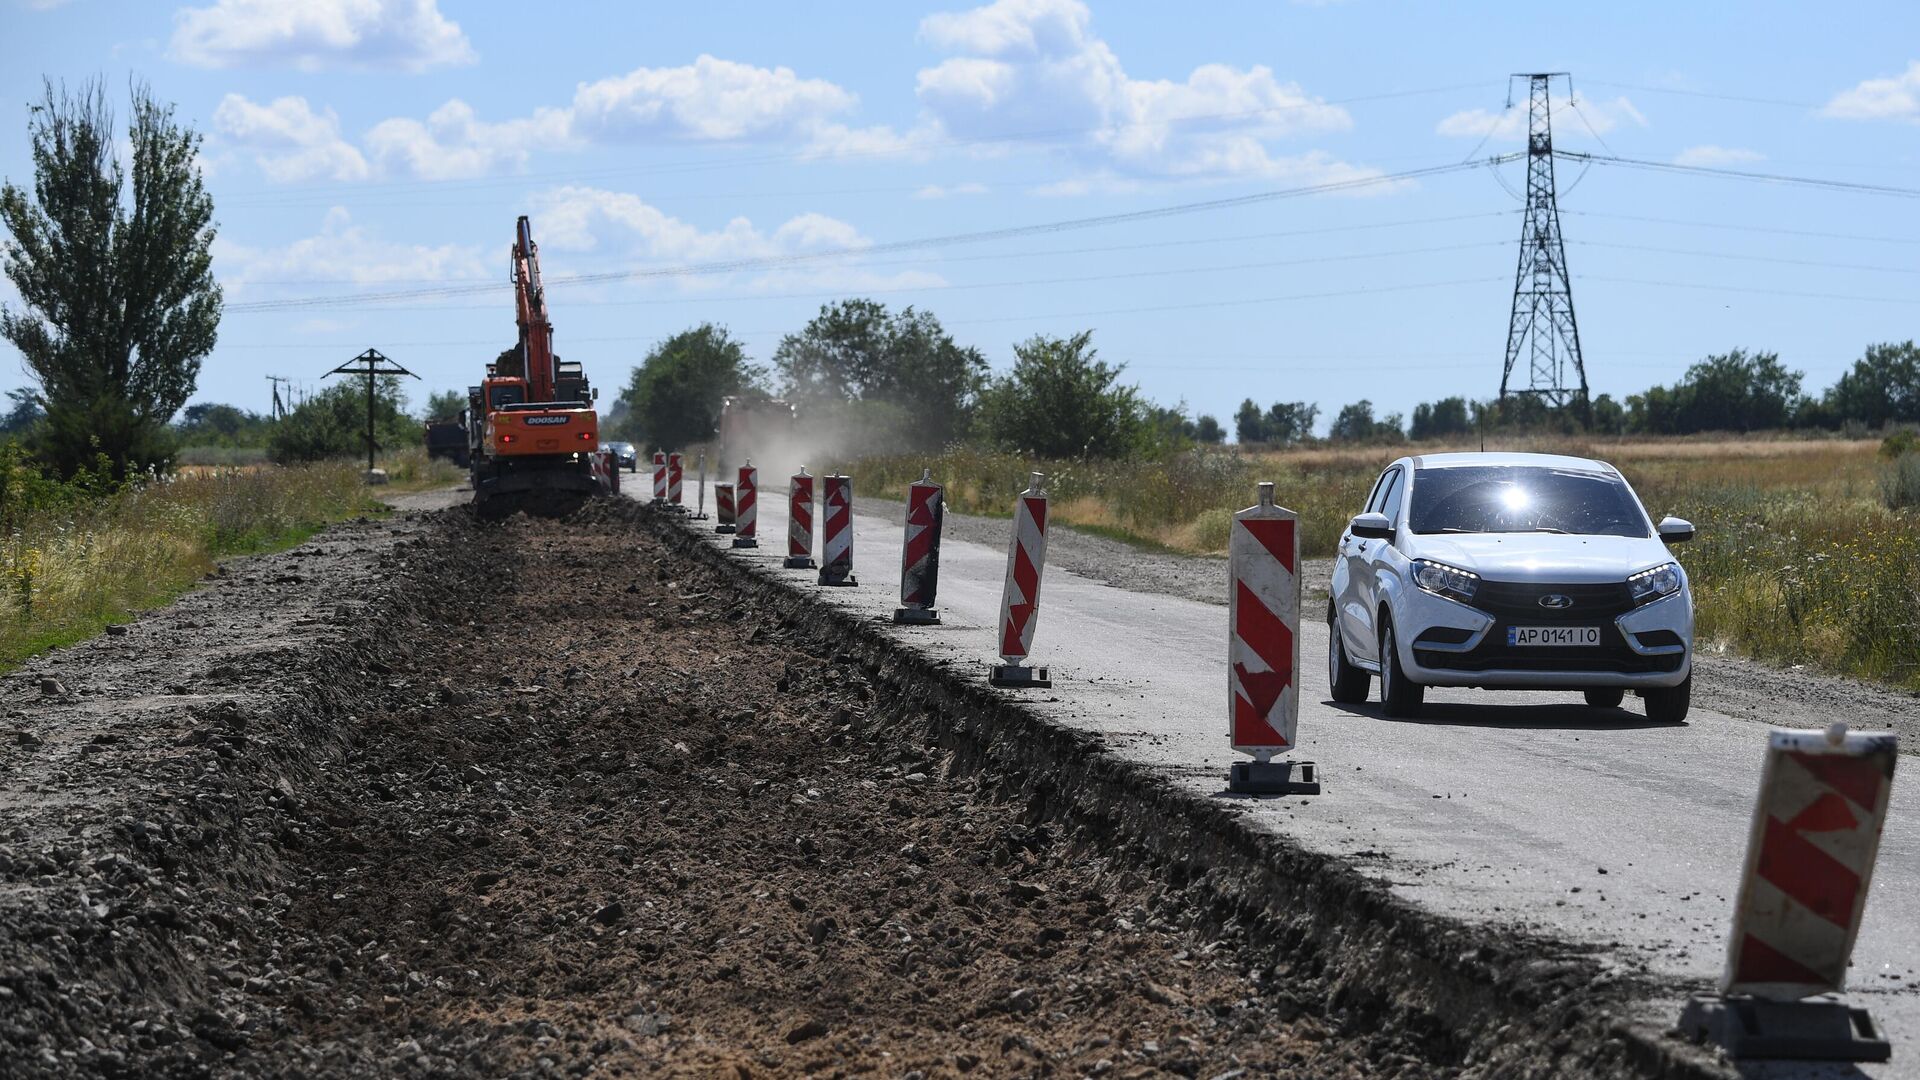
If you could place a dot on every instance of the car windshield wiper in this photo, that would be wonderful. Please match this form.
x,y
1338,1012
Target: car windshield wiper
x,y
1544,529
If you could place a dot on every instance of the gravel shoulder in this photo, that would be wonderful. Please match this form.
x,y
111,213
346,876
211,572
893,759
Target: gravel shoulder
x,y
1739,687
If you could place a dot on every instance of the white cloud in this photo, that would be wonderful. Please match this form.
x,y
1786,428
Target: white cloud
x,y
578,218
1716,156
710,99
1893,98
289,140
1572,120
949,191
316,35
1034,68
343,251
453,144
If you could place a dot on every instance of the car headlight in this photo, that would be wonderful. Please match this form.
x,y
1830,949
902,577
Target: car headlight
x,y
1443,580
1650,585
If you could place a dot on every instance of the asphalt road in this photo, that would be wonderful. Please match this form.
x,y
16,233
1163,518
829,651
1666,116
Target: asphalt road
x,y
1526,809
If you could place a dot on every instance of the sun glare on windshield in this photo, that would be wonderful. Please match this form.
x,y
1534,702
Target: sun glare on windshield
x,y
1520,499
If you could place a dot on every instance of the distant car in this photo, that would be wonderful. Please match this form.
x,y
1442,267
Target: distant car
x,y
626,454
1510,571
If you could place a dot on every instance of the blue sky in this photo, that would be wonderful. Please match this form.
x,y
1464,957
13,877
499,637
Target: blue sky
x,y
382,146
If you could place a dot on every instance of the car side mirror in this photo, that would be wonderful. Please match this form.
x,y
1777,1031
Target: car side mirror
x,y
1371,527
1675,530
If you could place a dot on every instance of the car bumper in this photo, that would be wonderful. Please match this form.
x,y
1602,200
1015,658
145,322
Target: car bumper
x,y
1647,647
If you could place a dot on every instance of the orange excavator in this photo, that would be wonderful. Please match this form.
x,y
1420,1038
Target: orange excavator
x,y
533,435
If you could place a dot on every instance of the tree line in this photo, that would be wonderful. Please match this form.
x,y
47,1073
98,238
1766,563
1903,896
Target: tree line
x,y
110,251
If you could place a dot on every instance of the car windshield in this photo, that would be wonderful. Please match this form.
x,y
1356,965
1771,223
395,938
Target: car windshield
x,y
1523,498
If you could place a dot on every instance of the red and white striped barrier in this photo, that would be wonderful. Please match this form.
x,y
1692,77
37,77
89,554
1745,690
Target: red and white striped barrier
x,y
836,531
1263,649
1020,596
746,509
920,556
1810,855
659,477
723,508
800,521
676,474
606,471
1801,892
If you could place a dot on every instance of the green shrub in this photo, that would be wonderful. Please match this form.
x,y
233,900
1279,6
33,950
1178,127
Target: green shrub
x,y
1900,483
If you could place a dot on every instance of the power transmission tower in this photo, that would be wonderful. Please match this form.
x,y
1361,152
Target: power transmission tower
x,y
1542,326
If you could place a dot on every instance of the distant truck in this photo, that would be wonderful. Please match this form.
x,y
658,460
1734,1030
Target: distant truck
x,y
757,428
448,439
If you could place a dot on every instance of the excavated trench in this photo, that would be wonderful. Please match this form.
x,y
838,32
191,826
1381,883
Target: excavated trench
x,y
590,798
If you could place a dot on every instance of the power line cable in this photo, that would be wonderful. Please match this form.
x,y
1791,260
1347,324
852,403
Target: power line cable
x,y
1749,289
1237,238
735,298
1035,317
1702,94
1739,174
1739,257
1730,227
924,243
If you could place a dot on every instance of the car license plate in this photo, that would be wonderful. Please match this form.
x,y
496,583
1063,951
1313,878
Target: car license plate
x,y
1553,635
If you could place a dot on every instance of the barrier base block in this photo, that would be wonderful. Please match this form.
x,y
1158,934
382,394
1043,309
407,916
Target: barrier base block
x,y
698,517
1273,778
1812,1030
841,578
723,528
799,562
916,616
1019,677
745,542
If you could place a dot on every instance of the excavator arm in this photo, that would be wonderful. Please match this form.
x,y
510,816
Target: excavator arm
x,y
530,300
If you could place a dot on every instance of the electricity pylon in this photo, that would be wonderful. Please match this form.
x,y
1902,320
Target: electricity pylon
x,y
1543,326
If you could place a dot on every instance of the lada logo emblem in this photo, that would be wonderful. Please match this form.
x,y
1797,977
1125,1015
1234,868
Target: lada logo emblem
x,y
1556,601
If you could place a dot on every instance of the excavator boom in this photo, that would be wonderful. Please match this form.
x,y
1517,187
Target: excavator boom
x,y
530,300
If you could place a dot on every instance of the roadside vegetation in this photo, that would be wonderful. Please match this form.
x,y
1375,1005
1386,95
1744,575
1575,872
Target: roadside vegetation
x,y
113,498
1808,550
79,555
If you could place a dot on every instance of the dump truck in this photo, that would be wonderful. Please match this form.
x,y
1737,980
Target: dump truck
x,y
446,437
756,427
533,437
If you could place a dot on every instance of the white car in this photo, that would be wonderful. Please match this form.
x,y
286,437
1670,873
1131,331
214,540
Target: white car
x,y
1510,571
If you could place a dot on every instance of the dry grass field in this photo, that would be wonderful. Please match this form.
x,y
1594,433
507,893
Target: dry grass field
x,y
1799,559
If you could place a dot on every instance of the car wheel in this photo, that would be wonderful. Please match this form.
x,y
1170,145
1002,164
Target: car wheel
x,y
1668,704
1606,697
1400,696
1346,683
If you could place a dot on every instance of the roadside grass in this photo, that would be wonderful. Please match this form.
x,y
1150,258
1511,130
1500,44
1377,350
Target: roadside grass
x,y
1801,555
413,469
67,572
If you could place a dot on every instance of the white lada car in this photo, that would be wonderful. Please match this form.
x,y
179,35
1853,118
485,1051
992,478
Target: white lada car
x,y
1510,571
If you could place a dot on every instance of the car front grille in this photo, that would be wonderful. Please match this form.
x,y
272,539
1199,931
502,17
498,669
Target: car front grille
x,y
1513,603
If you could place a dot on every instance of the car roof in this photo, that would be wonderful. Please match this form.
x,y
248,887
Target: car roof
x,y
1496,458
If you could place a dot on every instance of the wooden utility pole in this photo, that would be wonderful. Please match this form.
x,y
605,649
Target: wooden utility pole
x,y
372,365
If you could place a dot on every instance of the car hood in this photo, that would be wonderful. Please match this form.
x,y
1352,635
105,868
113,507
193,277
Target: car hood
x,y
1543,556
